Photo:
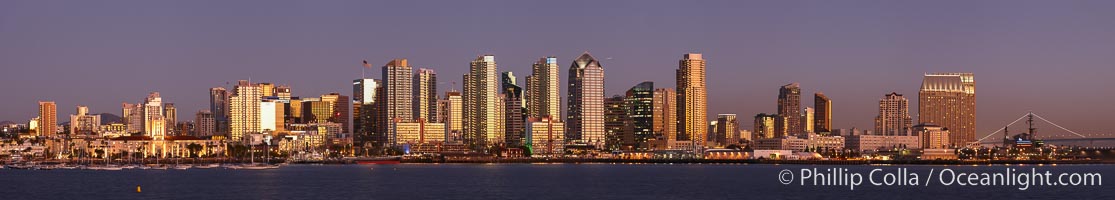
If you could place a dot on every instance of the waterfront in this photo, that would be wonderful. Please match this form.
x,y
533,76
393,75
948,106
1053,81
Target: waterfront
x,y
509,181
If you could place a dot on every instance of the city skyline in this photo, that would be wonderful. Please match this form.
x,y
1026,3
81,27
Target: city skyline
x,y
1012,81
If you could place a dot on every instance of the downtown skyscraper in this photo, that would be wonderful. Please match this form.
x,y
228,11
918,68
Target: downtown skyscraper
x,y
218,105
364,96
244,110
425,95
154,120
585,112
822,120
482,111
542,96
789,107
692,99
48,119
949,100
665,114
397,96
894,115
514,120
639,101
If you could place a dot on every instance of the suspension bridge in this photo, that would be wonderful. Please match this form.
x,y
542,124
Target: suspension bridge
x,y
1066,136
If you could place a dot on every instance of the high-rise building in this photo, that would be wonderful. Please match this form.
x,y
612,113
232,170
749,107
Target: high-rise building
x,y
205,124
482,114
218,105
154,120
542,94
82,123
639,101
822,121
398,95
615,123
48,119
244,110
665,114
364,110
171,115
338,110
585,113
514,120
132,115
692,99
453,116
949,100
765,126
894,115
807,120
268,120
425,95
789,107
727,129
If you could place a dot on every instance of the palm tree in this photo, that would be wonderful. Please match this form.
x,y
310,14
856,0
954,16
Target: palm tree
x,y
194,148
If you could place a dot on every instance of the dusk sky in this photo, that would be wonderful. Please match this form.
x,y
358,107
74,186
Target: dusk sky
x,y
1054,58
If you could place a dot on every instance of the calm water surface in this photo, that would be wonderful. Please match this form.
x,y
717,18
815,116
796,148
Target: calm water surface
x,y
512,181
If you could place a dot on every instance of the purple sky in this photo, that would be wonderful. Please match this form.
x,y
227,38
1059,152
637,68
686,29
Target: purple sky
x,y
1052,57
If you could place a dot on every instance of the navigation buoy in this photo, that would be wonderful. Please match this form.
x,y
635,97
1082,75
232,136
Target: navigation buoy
x,y
138,190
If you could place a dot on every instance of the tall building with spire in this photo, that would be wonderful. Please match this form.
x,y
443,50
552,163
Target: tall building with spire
x,y
789,107
425,95
542,94
822,120
398,96
482,114
692,99
48,119
244,110
949,100
585,112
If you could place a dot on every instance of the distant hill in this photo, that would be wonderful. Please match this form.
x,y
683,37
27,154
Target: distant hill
x,y
5,123
108,118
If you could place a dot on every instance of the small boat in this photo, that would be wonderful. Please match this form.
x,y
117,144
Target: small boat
x,y
160,167
129,166
182,167
208,166
68,167
143,167
112,168
259,166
